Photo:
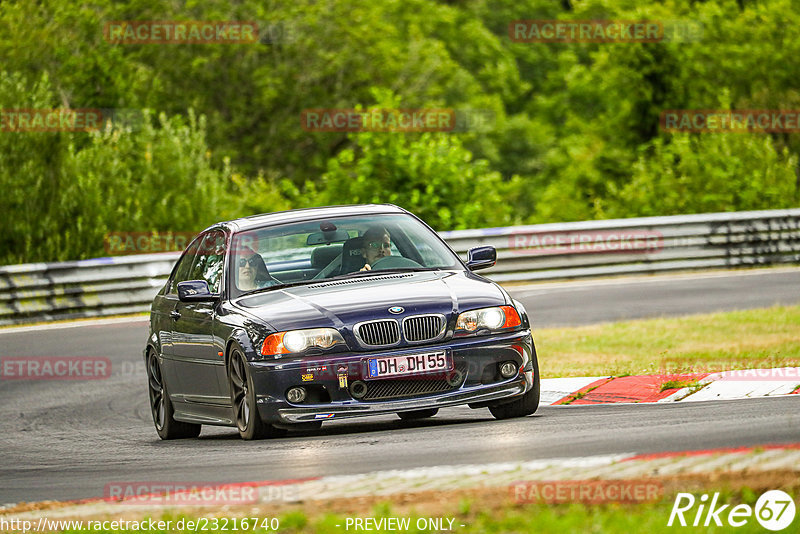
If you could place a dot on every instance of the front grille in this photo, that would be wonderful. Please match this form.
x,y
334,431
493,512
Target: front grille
x,y
379,333
398,388
423,327
393,389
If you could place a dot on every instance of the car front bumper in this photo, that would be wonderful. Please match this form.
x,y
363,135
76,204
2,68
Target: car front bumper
x,y
476,356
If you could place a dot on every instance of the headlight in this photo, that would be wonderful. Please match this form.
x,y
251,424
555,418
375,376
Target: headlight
x,y
497,318
300,340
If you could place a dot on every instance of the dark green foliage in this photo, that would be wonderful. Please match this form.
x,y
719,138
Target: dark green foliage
x,y
575,132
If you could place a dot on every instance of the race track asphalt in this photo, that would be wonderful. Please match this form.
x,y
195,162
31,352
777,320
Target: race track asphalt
x,y
69,439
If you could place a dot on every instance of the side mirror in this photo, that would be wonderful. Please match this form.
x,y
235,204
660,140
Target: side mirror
x,y
481,258
195,291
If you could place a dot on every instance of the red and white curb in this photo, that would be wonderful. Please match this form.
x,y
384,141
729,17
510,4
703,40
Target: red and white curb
x,y
554,390
748,384
728,385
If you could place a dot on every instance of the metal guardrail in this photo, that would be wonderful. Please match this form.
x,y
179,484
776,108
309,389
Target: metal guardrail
x,y
127,284
635,246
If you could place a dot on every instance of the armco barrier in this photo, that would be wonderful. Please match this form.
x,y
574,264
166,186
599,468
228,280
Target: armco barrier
x,y
127,284
641,245
87,288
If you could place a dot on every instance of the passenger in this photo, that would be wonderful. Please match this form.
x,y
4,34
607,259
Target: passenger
x,y
377,244
251,271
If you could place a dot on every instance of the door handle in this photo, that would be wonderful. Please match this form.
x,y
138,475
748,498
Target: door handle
x,y
175,314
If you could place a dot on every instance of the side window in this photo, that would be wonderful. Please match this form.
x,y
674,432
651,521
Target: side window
x,y
184,267
208,262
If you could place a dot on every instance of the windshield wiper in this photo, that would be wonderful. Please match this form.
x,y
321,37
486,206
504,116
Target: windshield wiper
x,y
378,272
279,286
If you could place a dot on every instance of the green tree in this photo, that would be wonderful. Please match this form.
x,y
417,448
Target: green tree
x,y
739,172
431,174
66,190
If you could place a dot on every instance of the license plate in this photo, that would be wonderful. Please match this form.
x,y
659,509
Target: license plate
x,y
409,364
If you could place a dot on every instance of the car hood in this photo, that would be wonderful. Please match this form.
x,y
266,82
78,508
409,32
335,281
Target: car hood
x,y
343,303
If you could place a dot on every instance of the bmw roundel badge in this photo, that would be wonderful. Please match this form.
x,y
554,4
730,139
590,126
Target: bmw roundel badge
x,y
396,309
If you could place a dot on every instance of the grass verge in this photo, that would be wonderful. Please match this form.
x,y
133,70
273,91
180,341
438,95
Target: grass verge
x,y
749,339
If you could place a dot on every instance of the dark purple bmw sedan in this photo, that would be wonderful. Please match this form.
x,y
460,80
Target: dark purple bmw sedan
x,y
289,319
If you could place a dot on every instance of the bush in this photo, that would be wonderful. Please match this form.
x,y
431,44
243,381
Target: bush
x,y
66,190
708,172
430,174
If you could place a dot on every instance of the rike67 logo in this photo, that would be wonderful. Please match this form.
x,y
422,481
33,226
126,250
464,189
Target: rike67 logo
x,y
774,510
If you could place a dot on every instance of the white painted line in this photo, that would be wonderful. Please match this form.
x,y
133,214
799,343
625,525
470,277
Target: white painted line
x,y
74,324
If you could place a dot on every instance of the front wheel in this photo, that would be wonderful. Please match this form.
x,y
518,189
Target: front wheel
x,y
161,407
243,398
525,405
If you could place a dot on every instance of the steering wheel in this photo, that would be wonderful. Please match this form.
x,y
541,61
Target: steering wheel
x,y
393,262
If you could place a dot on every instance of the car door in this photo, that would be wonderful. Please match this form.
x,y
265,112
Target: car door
x,y
164,320
199,365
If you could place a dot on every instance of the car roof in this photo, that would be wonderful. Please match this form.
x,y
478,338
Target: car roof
x,y
306,214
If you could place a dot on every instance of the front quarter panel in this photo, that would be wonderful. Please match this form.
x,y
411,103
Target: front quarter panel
x,y
523,313
235,326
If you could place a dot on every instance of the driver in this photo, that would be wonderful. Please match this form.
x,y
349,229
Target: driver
x,y
377,244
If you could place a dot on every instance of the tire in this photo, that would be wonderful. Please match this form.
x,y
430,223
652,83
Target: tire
x,y
161,407
525,405
243,399
417,414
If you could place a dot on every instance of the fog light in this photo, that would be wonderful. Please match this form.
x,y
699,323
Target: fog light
x,y
358,389
508,369
296,395
455,378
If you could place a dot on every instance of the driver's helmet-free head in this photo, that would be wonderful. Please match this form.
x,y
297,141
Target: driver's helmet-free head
x,y
376,244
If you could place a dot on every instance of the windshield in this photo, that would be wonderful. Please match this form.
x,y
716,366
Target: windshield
x,y
336,247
